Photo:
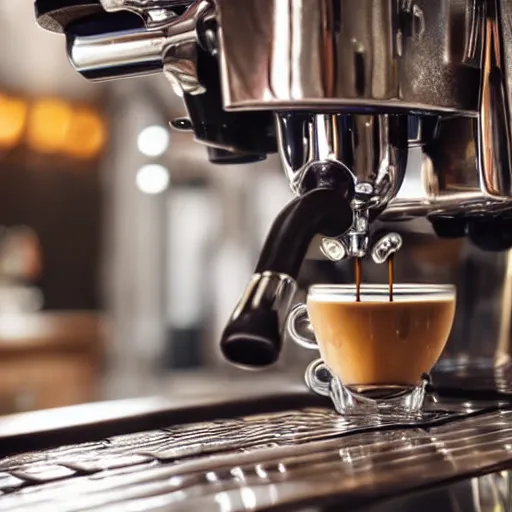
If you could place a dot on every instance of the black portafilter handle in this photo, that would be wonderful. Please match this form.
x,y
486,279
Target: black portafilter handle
x,y
252,337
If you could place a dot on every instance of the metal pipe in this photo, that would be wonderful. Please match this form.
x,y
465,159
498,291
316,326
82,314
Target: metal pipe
x,y
119,54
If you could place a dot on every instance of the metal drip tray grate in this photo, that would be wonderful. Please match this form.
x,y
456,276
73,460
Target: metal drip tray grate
x,y
257,461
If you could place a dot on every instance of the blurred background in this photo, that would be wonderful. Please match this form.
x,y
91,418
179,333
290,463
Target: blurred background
x,y
123,251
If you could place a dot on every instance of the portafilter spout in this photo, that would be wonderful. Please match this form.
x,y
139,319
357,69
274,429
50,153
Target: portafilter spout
x,y
372,148
345,169
252,337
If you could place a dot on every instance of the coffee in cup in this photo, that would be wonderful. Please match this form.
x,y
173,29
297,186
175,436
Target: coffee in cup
x,y
377,348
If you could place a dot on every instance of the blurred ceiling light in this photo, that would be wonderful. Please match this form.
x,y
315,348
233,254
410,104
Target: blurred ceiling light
x,y
87,134
48,126
153,140
152,179
13,116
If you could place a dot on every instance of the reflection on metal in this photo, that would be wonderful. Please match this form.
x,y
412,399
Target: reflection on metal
x,y
119,54
172,49
492,492
372,148
283,459
502,355
371,61
449,179
333,249
155,13
336,249
317,53
386,246
494,129
466,163
468,168
329,149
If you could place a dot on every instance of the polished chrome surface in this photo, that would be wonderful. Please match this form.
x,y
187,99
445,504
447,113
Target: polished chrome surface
x,y
504,22
385,247
481,494
156,13
494,129
373,149
171,49
336,249
357,239
421,54
381,56
450,51
467,168
493,492
333,249
443,177
101,57
281,459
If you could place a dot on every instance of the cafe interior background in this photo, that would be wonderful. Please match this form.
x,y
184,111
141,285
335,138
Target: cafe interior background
x,y
123,250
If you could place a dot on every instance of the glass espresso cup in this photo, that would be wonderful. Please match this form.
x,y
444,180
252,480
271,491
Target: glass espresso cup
x,y
376,354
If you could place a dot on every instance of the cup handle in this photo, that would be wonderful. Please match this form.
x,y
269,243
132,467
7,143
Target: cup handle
x,y
295,313
314,382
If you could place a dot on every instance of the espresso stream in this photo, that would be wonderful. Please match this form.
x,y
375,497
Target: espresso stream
x,y
358,279
391,278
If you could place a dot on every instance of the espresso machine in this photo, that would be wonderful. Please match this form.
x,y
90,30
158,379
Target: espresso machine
x,y
345,91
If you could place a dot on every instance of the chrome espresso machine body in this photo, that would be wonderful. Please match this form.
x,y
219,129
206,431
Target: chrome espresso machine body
x,y
345,91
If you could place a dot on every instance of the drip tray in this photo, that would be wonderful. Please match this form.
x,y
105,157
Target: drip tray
x,y
286,451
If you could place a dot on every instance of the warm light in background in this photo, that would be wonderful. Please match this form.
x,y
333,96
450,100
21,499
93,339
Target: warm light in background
x,y
13,116
86,135
52,125
152,179
153,141
48,127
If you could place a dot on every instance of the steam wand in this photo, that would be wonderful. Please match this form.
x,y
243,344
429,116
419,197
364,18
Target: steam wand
x,y
252,337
